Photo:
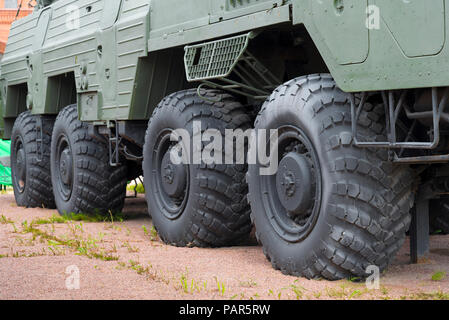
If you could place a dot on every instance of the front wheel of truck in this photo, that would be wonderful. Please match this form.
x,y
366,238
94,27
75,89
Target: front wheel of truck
x,y
82,179
331,210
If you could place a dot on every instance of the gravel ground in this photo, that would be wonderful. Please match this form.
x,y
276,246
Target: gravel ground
x,y
126,260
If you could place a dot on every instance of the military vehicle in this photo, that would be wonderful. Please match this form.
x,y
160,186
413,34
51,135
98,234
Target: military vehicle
x,y
356,90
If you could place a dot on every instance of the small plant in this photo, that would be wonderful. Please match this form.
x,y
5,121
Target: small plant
x,y
190,286
130,248
141,269
139,188
26,228
248,284
54,219
55,247
355,279
15,228
184,285
298,292
78,217
152,233
255,296
438,276
4,220
221,287
355,294
438,295
384,290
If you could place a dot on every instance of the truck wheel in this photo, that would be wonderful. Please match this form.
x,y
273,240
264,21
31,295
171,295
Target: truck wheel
x,y
196,204
439,216
83,181
31,176
332,209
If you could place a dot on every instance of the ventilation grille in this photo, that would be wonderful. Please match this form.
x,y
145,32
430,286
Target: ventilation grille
x,y
215,59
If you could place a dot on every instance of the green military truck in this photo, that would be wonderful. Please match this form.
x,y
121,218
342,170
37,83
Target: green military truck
x,y
355,91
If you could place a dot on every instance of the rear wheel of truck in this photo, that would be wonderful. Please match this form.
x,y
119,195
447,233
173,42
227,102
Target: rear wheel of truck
x,y
332,209
83,181
202,205
30,161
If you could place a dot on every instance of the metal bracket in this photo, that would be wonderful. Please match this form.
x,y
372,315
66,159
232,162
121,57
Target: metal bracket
x,y
217,64
114,141
434,188
40,138
393,109
419,231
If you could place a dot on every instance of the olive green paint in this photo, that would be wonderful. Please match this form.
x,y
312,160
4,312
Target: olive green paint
x,y
119,53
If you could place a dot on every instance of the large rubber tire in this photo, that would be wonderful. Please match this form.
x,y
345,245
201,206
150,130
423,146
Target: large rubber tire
x,y
90,185
212,209
439,216
362,215
32,181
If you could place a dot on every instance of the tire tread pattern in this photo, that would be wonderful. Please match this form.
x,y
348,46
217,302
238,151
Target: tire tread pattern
x,y
221,211
371,198
39,192
100,188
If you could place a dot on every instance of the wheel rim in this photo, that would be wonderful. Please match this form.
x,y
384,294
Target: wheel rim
x,y
20,165
292,197
170,181
64,167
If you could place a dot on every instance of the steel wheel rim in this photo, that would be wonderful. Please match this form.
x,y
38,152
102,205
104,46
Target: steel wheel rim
x,y
64,167
173,206
292,228
20,165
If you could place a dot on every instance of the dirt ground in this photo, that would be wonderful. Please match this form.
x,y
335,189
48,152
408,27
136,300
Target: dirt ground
x,y
126,260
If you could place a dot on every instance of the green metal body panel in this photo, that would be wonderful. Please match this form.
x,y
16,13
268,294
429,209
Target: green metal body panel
x,y
407,50
122,62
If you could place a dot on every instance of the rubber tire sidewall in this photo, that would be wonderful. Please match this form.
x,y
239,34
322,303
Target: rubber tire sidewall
x,y
177,229
285,115
64,128
22,198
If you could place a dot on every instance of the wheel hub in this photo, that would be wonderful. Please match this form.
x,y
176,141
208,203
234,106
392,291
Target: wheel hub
x,y
21,167
294,184
65,167
174,177
288,181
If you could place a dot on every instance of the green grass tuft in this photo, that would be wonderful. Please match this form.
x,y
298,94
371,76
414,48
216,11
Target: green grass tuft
x,y
79,217
438,276
139,188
